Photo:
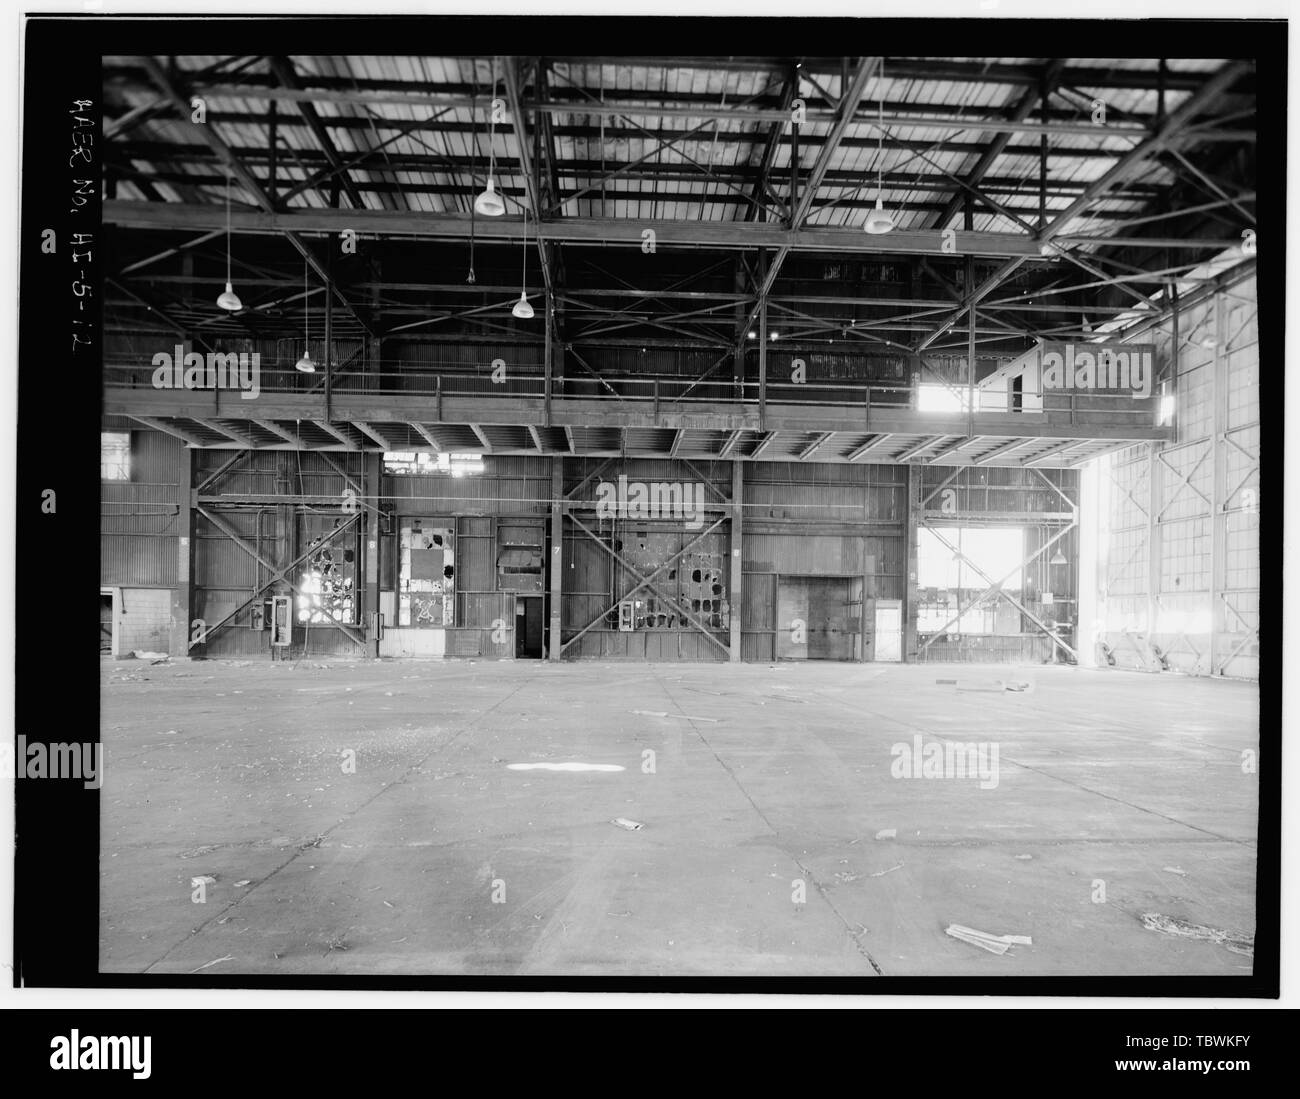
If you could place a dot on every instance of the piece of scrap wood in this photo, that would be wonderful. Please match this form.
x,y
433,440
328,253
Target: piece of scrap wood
x,y
991,945
988,941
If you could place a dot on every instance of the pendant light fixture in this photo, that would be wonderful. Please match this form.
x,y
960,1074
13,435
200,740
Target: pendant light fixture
x,y
878,220
522,309
489,203
1058,558
305,364
229,299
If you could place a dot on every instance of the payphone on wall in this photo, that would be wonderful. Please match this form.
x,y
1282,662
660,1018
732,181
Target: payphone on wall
x,y
281,621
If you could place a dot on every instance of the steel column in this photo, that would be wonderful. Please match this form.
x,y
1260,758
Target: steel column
x,y
557,556
735,595
372,464
912,528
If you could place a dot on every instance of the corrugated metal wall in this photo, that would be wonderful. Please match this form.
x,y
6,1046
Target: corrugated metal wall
x,y
594,581
803,520
507,486
226,575
1179,578
139,525
510,489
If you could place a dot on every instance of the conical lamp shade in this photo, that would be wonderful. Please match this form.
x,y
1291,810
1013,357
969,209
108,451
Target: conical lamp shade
x,y
230,300
878,221
1058,558
489,203
305,364
522,309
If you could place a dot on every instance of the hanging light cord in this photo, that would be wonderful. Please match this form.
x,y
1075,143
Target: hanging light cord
x,y
473,170
880,134
492,125
306,316
227,228
524,280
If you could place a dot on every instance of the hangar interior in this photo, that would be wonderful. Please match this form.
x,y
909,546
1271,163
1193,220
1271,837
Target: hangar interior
x,y
857,360
707,311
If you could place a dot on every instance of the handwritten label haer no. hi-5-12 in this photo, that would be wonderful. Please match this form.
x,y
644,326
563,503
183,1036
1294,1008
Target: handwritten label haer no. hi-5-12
x,y
81,162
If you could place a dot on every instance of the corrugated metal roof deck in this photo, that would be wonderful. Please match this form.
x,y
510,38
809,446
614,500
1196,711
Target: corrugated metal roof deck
x,y
705,148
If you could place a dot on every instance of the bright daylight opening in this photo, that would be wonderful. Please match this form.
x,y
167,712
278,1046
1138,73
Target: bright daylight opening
x,y
940,398
953,564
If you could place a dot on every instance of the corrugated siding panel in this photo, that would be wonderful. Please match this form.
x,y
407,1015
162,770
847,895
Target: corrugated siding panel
x,y
139,525
137,560
796,555
508,486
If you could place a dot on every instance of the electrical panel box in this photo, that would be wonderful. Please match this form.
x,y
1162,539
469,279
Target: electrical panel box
x,y
626,615
257,616
281,621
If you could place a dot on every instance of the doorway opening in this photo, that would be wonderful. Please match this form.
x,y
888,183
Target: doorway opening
x,y
528,627
106,607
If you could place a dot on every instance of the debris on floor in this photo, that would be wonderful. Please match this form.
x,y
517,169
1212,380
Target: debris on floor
x,y
215,961
1175,870
241,884
887,834
630,825
195,852
664,713
203,879
990,686
1171,925
145,654
994,944
1024,857
882,873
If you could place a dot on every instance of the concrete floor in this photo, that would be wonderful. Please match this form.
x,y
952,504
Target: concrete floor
x,y
763,776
